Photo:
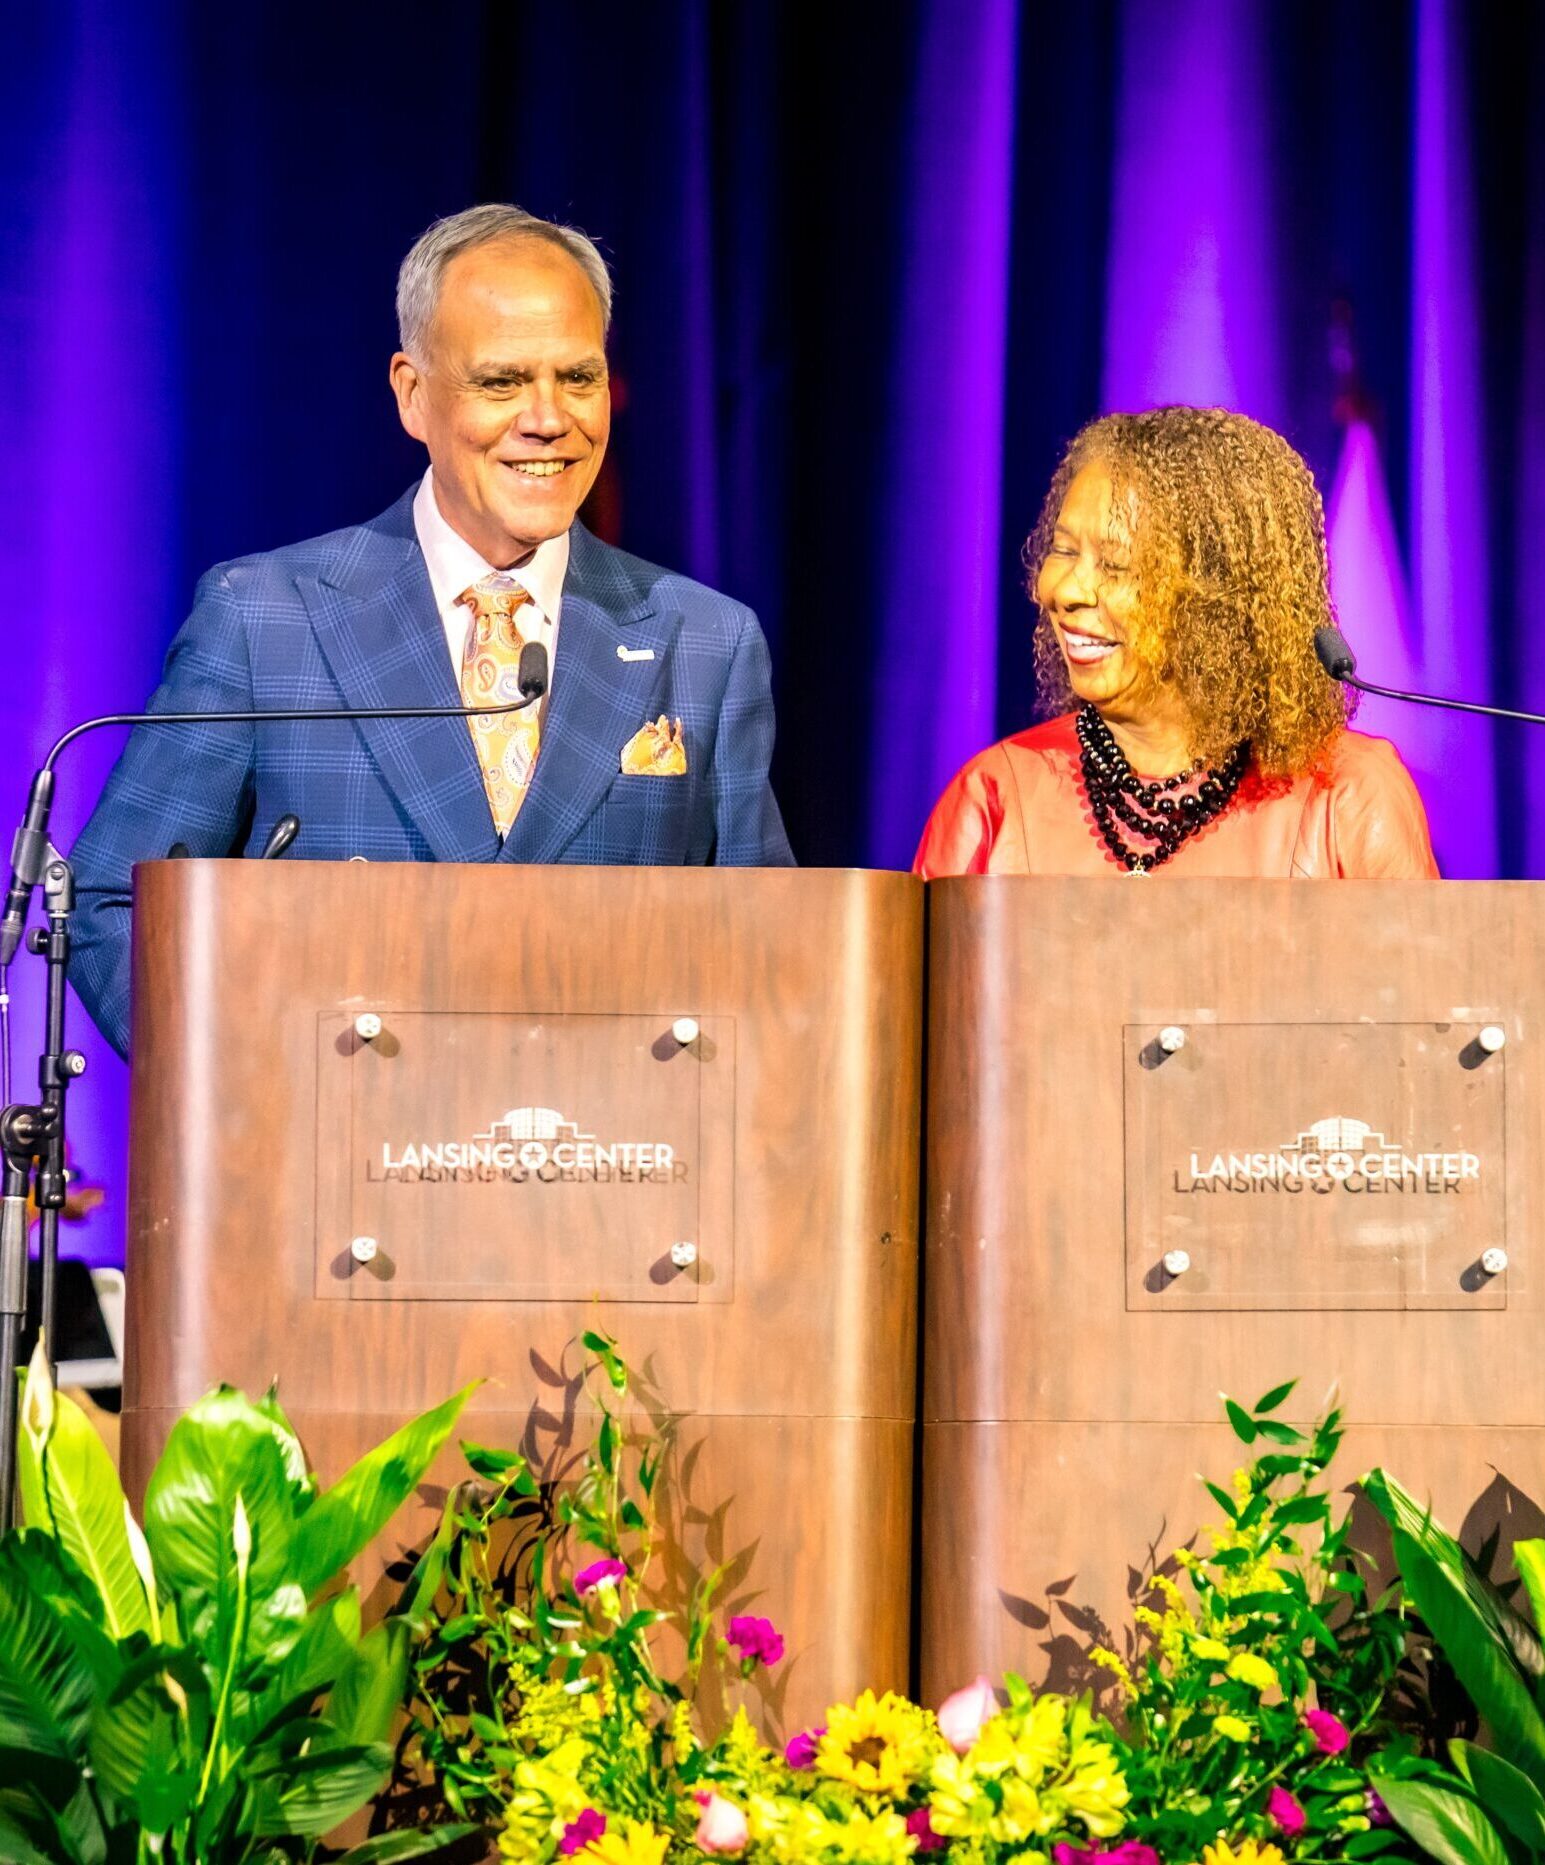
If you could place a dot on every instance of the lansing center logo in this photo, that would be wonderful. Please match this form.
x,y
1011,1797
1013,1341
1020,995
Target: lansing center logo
x,y
529,1143
1334,1155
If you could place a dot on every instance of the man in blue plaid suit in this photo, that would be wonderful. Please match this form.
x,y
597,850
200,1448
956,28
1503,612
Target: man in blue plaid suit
x,y
502,374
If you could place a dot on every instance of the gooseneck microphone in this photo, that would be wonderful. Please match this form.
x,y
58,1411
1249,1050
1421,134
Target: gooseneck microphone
x,y
280,837
1330,646
29,852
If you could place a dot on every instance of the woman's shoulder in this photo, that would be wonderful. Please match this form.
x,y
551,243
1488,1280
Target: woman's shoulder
x,y
1380,824
977,825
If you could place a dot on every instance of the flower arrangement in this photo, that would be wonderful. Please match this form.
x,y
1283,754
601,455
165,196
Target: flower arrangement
x,y
1249,1698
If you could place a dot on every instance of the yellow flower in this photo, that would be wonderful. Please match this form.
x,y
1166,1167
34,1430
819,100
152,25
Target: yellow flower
x,y
880,1745
1108,1661
640,1844
1254,1671
547,1796
683,1736
1096,1791
1237,1730
1024,1814
1248,1852
958,1807
1213,1648
1028,1743
797,1832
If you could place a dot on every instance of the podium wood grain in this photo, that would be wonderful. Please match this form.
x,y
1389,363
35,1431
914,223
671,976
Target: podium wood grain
x,y
801,1386
1064,1421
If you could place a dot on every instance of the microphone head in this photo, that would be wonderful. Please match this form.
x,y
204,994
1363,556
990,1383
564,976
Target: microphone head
x,y
532,672
1330,645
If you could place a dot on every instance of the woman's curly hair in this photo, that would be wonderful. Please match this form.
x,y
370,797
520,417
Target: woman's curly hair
x,y
1229,561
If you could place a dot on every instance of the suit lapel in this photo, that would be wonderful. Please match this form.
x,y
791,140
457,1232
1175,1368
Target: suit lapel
x,y
375,621
599,699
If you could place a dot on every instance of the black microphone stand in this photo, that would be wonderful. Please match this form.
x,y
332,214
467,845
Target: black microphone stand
x,y
32,1133
32,1143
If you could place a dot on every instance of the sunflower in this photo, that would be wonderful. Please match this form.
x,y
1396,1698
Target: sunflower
x,y
1248,1852
880,1745
632,1842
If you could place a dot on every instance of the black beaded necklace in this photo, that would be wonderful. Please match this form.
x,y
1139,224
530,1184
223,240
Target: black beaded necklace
x,y
1151,810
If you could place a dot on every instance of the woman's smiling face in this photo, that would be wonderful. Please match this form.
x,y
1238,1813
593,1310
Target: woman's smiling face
x,y
1088,593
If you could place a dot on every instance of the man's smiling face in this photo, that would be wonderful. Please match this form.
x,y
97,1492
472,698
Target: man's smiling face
x,y
511,397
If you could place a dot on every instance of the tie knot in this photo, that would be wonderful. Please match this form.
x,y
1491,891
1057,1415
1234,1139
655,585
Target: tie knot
x,y
493,602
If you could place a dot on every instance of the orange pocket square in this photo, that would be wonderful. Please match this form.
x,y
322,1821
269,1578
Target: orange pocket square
x,y
656,751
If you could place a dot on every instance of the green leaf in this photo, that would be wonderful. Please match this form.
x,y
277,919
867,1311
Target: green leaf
x,y
140,1732
1302,1509
1242,1422
1278,1433
310,1794
17,1842
1223,1499
1275,1397
358,1506
1504,1791
323,1652
224,1446
1481,1660
46,1685
390,1847
491,1463
71,1491
1446,1824
367,1697
1401,1510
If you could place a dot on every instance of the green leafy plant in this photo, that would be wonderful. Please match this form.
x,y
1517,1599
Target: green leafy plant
x,y
1491,1809
543,1712
192,1692
1258,1693
511,1652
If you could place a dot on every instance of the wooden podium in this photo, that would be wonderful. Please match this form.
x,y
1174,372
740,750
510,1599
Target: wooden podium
x,y
1187,1136
680,1106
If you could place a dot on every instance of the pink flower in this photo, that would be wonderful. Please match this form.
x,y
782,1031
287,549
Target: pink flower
x,y
579,1833
921,1828
1330,1733
597,1574
800,1752
962,1714
757,1640
721,1826
1285,1813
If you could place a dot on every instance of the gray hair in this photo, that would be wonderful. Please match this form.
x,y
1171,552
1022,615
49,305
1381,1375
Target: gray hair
x,y
418,281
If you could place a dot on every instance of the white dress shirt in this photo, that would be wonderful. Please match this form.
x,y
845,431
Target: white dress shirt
x,y
454,566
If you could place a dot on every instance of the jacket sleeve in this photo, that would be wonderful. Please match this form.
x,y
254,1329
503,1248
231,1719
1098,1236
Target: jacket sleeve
x,y
964,824
1380,824
748,827
172,783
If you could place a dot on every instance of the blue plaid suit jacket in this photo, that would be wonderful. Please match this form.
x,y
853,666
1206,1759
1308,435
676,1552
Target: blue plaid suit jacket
x,y
349,620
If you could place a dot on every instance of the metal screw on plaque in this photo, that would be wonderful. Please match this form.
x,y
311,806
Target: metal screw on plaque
x,y
363,1249
1494,1261
1176,1262
683,1255
1492,1038
1172,1039
685,1030
367,1026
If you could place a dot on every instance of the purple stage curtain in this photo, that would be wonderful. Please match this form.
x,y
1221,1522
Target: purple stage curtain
x,y
872,271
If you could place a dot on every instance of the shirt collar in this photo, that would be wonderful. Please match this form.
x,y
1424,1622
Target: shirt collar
x,y
454,565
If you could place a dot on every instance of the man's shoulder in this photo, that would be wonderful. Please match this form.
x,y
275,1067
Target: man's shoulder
x,y
333,556
625,582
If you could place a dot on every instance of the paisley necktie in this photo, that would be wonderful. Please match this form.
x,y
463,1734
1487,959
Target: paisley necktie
x,y
506,743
